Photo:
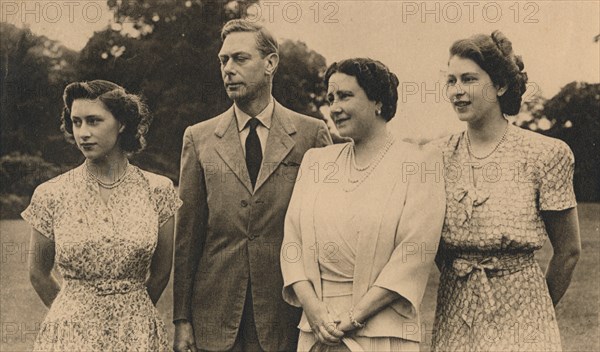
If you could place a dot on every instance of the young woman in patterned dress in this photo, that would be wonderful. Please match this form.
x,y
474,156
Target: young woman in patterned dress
x,y
507,190
108,228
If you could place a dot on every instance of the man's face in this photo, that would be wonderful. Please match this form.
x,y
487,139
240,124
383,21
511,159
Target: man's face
x,y
243,69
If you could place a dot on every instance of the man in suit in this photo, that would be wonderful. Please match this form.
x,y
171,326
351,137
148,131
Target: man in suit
x,y
237,174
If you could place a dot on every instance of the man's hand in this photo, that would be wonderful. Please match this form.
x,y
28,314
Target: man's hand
x,y
184,337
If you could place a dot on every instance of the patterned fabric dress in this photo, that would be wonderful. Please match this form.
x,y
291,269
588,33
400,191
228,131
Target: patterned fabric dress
x,y
103,252
493,295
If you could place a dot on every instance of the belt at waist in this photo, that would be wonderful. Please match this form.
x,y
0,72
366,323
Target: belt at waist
x,y
105,287
336,288
477,268
493,265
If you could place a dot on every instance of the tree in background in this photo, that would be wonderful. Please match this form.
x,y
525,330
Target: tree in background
x,y
33,73
575,116
168,52
165,50
572,115
298,83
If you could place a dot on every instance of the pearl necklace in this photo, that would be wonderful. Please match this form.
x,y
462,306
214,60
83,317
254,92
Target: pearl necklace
x,y
107,185
493,150
364,172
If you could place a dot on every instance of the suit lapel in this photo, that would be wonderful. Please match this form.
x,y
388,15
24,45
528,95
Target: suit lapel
x,y
230,149
279,143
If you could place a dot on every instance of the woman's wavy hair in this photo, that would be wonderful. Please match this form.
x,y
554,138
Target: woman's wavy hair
x,y
127,108
378,82
494,54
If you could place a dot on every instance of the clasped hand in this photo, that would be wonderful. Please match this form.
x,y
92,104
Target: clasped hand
x,y
326,324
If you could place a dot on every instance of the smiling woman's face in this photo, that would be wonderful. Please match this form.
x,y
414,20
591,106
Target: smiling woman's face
x,y
95,129
471,90
350,108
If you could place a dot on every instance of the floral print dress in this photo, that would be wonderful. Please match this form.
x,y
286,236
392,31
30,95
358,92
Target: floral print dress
x,y
103,252
493,295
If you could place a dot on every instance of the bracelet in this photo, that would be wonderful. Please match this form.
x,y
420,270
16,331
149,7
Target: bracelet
x,y
354,321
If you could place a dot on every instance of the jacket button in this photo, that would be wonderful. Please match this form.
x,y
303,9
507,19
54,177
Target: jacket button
x,y
244,203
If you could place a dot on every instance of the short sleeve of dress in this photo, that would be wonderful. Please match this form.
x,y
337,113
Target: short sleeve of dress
x,y
556,179
40,212
167,201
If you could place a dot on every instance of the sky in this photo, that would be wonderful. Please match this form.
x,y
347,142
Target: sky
x,y
554,38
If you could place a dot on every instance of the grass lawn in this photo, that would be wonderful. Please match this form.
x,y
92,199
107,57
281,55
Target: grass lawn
x,y
21,311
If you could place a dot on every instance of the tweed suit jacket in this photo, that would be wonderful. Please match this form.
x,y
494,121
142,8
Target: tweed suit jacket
x,y
229,236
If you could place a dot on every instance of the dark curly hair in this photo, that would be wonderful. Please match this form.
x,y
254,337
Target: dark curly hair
x,y
127,108
374,78
494,54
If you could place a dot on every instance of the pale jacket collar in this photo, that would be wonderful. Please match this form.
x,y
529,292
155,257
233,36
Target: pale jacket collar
x,y
265,117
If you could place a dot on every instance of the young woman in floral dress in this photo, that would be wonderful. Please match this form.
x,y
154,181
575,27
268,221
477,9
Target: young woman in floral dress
x,y
108,228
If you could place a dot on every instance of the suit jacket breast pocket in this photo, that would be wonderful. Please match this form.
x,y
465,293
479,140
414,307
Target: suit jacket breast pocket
x,y
288,169
291,162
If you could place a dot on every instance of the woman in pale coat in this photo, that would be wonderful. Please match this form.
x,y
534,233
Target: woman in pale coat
x,y
363,224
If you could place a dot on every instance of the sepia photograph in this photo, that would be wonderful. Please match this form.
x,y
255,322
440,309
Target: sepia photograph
x,y
300,175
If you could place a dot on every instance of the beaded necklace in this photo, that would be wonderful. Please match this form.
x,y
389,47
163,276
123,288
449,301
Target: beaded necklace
x,y
108,185
364,172
493,150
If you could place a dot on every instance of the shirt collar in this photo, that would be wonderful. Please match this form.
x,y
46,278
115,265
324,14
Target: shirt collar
x,y
265,117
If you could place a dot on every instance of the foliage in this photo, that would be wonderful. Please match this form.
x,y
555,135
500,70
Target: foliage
x,y
298,83
11,205
167,51
33,72
20,174
573,115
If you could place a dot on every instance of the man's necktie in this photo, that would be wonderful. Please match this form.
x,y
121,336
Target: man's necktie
x,y
253,151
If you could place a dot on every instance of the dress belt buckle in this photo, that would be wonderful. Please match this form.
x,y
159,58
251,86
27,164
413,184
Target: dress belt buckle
x,y
112,288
